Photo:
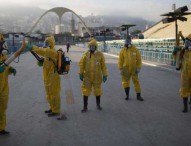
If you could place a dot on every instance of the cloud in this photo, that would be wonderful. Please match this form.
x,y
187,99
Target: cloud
x,y
149,9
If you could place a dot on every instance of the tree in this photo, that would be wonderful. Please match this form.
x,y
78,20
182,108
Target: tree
x,y
135,32
67,34
38,31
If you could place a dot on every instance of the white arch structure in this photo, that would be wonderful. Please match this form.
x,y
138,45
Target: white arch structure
x,y
60,12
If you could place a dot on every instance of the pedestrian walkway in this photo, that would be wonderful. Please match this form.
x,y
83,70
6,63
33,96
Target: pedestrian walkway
x,y
158,121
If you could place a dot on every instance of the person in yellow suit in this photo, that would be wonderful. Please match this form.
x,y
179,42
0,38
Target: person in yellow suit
x,y
92,71
185,90
4,87
130,65
50,74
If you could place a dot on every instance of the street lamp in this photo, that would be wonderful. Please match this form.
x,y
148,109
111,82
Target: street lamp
x,y
174,16
104,34
126,27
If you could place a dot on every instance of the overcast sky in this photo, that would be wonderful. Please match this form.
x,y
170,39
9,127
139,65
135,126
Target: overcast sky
x,y
147,9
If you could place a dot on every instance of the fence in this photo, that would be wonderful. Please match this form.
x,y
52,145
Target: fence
x,y
160,57
154,55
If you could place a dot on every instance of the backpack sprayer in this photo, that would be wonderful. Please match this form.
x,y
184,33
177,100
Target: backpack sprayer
x,y
16,54
13,56
63,62
62,66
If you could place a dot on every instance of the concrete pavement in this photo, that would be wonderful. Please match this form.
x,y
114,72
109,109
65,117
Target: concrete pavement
x,y
156,121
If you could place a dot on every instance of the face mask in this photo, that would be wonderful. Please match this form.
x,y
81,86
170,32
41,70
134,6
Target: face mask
x,y
128,45
3,46
187,44
92,48
5,52
46,44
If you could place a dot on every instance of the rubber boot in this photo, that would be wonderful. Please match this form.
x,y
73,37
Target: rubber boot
x,y
48,111
62,117
53,114
85,104
185,102
127,93
139,97
98,103
3,132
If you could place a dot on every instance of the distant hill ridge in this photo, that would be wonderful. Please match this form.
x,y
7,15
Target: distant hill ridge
x,y
26,16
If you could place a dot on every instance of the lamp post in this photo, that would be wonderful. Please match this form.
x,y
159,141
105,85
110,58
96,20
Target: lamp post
x,y
16,30
174,17
126,27
104,34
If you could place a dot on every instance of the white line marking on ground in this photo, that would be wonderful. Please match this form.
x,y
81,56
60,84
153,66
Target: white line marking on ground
x,y
111,55
150,64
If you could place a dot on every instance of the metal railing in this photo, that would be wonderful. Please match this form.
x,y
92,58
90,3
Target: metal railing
x,y
154,55
159,57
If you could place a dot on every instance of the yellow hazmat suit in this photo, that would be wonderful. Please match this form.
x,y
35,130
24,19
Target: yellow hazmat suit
x,y
185,90
92,66
4,93
50,75
129,63
1,37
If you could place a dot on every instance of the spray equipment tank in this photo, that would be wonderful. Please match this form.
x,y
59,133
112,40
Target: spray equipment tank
x,y
63,63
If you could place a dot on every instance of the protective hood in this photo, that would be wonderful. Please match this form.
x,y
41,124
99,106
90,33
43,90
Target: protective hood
x,y
3,44
2,58
128,43
1,37
188,42
49,42
189,36
92,45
